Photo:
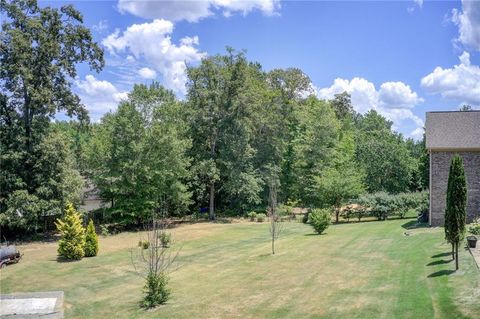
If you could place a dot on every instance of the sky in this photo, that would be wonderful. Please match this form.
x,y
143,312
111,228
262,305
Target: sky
x,y
400,58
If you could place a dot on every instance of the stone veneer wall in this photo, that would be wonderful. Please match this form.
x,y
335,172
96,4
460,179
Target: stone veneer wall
x,y
440,165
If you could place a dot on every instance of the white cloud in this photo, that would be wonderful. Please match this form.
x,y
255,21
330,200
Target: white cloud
x,y
147,73
468,22
99,96
461,82
101,26
193,11
416,3
152,42
394,100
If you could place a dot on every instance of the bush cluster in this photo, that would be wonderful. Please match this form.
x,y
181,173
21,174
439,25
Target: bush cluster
x,y
383,205
261,217
75,243
156,290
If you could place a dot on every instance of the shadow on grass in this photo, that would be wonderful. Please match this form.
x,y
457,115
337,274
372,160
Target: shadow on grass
x,y
445,272
414,224
61,259
441,255
439,262
315,234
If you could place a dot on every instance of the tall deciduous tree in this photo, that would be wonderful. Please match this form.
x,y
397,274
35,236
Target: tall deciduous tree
x,y
383,155
39,51
222,96
455,212
138,155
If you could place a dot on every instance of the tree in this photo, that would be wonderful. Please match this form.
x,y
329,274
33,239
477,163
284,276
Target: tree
x,y
342,105
317,138
154,261
72,242
137,155
455,212
465,107
91,240
221,98
275,225
39,51
342,180
319,219
383,155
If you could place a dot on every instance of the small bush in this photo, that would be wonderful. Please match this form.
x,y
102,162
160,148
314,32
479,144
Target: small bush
x,y
252,215
474,229
91,241
261,217
320,220
104,230
165,239
72,243
156,290
144,244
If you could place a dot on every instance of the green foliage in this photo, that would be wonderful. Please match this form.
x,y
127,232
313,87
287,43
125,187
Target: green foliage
x,y
156,291
137,155
383,155
91,240
252,215
39,51
144,244
165,239
261,217
474,228
455,212
72,242
104,230
320,219
383,205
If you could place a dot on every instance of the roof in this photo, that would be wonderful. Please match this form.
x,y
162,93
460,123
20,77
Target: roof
x,y
455,130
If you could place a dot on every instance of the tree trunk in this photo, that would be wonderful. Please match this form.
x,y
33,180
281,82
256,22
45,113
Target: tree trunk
x,y
273,246
211,213
456,255
337,213
453,251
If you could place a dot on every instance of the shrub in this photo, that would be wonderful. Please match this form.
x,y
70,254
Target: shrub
x,y
320,220
72,242
261,217
474,228
104,230
91,241
252,215
165,239
144,244
156,291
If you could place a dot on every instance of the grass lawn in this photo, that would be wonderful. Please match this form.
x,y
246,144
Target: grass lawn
x,y
364,270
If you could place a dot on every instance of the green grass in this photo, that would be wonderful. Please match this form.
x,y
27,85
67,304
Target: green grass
x,y
358,270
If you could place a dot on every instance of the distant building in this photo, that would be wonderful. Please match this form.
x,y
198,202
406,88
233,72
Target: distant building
x,y
449,133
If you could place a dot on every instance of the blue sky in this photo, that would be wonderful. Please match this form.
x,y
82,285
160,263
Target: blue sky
x,y
401,58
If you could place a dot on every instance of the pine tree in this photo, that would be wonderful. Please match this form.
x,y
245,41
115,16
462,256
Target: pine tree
x,y
72,242
91,241
455,213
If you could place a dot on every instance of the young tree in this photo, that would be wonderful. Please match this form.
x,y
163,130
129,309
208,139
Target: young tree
x,y
455,213
72,242
275,224
154,262
91,240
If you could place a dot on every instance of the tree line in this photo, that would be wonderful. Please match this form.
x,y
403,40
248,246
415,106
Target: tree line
x,y
238,128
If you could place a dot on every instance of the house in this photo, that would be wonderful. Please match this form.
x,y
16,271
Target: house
x,y
449,133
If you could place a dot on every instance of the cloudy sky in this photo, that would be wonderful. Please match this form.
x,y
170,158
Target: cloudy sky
x,y
400,58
